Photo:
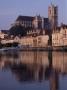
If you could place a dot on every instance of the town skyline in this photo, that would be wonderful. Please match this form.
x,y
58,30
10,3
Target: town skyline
x,y
10,10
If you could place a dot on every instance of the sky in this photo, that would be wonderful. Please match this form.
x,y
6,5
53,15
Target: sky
x,y
11,9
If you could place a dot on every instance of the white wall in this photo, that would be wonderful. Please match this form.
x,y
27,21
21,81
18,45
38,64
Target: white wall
x,y
60,38
39,41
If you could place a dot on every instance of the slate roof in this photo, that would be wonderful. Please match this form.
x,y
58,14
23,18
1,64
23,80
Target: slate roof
x,y
25,18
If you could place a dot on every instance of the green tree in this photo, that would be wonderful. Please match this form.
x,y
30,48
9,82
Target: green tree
x,y
17,30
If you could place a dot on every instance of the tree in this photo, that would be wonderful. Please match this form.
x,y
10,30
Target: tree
x,y
17,30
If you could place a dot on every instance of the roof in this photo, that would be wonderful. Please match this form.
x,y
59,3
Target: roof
x,y
64,26
5,31
25,18
28,18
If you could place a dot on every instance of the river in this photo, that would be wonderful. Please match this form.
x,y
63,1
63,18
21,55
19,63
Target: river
x,y
21,70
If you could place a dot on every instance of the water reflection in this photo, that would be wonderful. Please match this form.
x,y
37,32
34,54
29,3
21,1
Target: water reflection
x,y
52,74
35,66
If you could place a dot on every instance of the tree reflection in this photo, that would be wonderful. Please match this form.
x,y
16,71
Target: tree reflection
x,y
52,74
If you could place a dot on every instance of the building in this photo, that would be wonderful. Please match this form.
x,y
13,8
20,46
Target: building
x,y
38,41
25,21
3,35
59,37
34,25
36,22
53,16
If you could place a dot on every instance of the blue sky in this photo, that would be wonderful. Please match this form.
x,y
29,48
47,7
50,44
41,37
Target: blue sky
x,y
11,9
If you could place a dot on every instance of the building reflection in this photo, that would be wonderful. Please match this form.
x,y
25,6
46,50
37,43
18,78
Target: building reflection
x,y
31,71
7,59
35,66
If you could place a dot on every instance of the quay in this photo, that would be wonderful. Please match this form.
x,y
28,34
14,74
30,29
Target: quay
x,y
49,48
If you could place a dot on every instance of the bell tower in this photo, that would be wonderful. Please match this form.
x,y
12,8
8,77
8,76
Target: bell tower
x,y
53,16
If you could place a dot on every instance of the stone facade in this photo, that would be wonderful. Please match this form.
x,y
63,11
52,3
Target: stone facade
x,y
53,16
2,35
59,38
35,22
38,41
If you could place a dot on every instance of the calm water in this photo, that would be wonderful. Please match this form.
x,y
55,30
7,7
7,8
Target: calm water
x,y
33,70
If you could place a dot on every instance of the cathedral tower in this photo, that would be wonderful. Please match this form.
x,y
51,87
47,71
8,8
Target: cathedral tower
x,y
53,16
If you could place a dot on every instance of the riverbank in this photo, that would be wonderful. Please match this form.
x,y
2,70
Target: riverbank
x,y
21,48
